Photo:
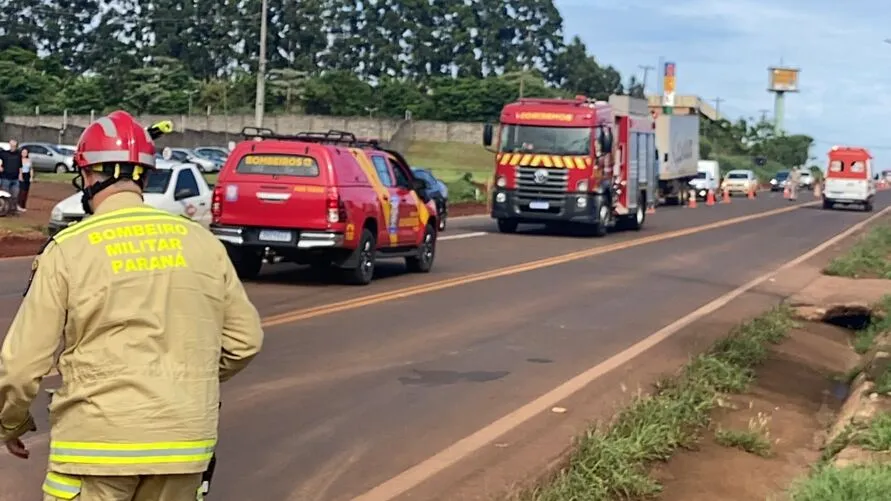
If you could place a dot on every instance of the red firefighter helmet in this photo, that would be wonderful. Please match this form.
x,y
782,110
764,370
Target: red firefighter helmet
x,y
116,140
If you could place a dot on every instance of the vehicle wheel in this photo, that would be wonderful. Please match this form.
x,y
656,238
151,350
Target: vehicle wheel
x,y
423,262
61,168
827,205
601,227
247,264
868,206
636,221
364,270
5,206
507,226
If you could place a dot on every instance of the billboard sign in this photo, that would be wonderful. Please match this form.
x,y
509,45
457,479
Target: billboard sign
x,y
668,85
782,79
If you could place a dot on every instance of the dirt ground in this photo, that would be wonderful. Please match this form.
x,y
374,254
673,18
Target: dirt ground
x,y
22,235
792,402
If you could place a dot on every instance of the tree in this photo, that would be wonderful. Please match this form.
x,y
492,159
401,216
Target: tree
x,y
288,85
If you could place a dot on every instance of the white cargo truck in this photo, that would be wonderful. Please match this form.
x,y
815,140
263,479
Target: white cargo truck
x,y
677,145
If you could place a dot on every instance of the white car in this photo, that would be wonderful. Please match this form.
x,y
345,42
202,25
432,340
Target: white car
x,y
190,156
174,187
740,181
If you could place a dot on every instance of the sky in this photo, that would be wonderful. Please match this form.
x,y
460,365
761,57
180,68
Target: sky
x,y
723,48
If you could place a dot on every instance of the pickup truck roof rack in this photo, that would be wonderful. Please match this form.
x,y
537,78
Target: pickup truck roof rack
x,y
332,136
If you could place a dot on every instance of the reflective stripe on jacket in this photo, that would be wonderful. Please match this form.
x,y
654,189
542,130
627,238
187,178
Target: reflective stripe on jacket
x,y
154,318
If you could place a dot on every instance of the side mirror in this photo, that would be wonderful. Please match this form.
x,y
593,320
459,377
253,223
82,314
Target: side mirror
x,y
184,193
488,133
419,185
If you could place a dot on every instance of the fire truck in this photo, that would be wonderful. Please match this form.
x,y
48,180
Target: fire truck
x,y
590,164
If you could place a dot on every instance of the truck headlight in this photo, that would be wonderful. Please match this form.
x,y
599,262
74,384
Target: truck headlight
x,y
56,214
500,182
500,198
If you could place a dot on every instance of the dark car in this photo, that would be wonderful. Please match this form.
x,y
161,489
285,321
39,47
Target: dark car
x,y
779,181
437,191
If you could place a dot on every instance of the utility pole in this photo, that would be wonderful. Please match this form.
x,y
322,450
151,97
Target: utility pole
x,y
261,68
718,102
646,71
764,113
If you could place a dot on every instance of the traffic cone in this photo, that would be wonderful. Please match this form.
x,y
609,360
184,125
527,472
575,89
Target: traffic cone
x,y
651,208
726,195
751,193
692,200
786,192
710,198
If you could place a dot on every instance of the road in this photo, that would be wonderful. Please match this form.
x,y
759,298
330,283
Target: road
x,y
356,385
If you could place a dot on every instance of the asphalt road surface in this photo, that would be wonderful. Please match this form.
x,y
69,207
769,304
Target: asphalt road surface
x,y
356,385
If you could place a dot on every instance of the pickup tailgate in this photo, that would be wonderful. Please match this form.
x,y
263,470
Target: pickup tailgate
x,y
275,190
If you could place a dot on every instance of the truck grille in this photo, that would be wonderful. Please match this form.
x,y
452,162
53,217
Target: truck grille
x,y
552,190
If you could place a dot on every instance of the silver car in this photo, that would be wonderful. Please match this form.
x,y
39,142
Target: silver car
x,y
47,157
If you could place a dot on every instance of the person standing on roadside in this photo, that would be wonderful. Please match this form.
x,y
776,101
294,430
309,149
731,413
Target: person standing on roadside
x,y
26,175
11,168
794,181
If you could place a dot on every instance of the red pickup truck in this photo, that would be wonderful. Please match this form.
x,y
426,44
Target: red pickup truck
x,y
324,199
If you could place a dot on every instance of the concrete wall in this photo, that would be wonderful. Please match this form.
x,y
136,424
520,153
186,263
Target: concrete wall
x,y
219,130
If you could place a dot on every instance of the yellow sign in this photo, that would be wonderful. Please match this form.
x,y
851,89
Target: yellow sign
x,y
541,115
280,160
784,79
669,83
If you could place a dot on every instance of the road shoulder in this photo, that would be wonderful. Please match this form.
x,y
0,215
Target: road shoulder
x,y
539,447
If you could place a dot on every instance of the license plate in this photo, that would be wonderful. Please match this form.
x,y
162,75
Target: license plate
x,y
539,205
275,236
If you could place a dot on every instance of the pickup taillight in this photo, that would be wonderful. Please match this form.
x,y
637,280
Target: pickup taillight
x,y
216,203
335,206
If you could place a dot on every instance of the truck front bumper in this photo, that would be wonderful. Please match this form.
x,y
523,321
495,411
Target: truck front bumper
x,y
568,207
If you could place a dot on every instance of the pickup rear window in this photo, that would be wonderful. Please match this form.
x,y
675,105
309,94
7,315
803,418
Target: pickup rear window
x,y
737,175
278,165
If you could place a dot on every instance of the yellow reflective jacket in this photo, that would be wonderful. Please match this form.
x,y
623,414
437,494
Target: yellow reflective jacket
x,y
151,318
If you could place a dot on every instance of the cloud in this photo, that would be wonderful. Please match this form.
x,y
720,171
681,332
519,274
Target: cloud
x,y
723,49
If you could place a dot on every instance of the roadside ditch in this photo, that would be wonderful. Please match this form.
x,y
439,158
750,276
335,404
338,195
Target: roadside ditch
x,y
792,405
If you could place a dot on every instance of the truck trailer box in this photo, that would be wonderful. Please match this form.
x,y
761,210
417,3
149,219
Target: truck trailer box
x,y
677,143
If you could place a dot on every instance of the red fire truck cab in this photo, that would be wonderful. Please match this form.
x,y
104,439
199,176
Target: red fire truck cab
x,y
585,162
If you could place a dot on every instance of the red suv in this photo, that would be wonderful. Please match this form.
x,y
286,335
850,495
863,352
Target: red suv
x,y
323,199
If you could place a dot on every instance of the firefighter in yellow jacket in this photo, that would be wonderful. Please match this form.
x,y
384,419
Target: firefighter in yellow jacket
x,y
151,318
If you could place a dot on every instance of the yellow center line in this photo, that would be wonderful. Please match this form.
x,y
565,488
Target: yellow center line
x,y
317,311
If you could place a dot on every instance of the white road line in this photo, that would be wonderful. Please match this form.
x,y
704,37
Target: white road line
x,y
460,236
468,445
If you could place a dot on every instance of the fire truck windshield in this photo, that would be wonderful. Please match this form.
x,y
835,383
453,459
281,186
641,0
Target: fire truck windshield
x,y
549,140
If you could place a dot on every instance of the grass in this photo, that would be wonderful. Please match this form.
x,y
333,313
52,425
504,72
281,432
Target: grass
x,y
754,440
450,161
854,483
15,227
864,339
612,462
866,482
869,257
52,177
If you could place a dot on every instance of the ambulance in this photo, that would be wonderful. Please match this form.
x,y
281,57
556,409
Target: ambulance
x,y
849,178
